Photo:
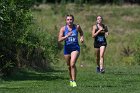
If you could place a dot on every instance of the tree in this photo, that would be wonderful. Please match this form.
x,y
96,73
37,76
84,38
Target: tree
x,y
15,17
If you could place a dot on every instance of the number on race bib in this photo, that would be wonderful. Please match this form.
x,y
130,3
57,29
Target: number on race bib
x,y
71,39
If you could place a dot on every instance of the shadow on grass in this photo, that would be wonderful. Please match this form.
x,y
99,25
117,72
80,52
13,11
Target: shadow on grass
x,y
36,75
99,86
119,73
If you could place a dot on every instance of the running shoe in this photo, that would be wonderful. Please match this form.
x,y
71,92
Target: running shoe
x,y
102,71
74,84
71,83
98,69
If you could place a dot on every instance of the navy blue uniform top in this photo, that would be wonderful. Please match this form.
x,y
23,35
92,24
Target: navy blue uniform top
x,y
100,38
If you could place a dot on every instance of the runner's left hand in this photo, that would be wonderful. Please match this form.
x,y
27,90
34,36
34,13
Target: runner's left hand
x,y
82,40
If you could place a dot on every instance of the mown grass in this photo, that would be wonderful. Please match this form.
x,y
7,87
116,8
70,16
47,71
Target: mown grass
x,y
122,73
115,80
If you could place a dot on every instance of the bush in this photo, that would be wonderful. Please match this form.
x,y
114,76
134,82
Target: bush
x,y
15,17
21,45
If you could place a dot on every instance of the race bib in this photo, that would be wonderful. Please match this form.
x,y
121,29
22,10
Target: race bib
x,y
100,39
71,39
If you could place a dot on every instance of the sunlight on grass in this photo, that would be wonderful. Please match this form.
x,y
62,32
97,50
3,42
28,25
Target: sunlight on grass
x,y
120,77
116,79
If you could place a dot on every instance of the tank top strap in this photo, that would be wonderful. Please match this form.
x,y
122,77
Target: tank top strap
x,y
73,28
66,28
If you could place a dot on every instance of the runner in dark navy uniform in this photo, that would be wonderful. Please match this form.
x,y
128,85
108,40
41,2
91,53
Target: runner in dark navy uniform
x,y
99,33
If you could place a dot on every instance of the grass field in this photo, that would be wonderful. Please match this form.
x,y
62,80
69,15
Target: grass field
x,y
115,80
122,21
122,70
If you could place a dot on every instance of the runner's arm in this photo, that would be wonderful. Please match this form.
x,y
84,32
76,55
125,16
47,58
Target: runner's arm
x,y
94,33
61,36
81,33
106,32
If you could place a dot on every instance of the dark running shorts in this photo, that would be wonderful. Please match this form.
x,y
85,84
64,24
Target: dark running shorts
x,y
98,45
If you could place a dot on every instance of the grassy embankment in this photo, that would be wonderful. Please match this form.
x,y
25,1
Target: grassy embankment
x,y
122,73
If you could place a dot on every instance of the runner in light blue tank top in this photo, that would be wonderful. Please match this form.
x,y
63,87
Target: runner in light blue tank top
x,y
69,34
73,38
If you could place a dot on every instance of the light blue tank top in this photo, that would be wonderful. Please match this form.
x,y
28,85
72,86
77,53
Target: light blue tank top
x,y
73,38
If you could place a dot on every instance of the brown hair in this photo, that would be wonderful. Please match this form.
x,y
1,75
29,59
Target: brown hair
x,y
70,16
99,16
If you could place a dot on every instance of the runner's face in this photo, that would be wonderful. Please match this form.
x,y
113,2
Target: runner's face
x,y
69,20
99,19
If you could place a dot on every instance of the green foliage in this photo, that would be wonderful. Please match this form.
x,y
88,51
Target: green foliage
x,y
137,56
137,50
15,17
121,48
118,2
20,45
48,43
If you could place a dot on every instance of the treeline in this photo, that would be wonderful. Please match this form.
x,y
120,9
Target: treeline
x,y
90,1
22,44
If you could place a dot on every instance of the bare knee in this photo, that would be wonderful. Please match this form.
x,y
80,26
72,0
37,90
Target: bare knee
x,y
72,66
101,56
